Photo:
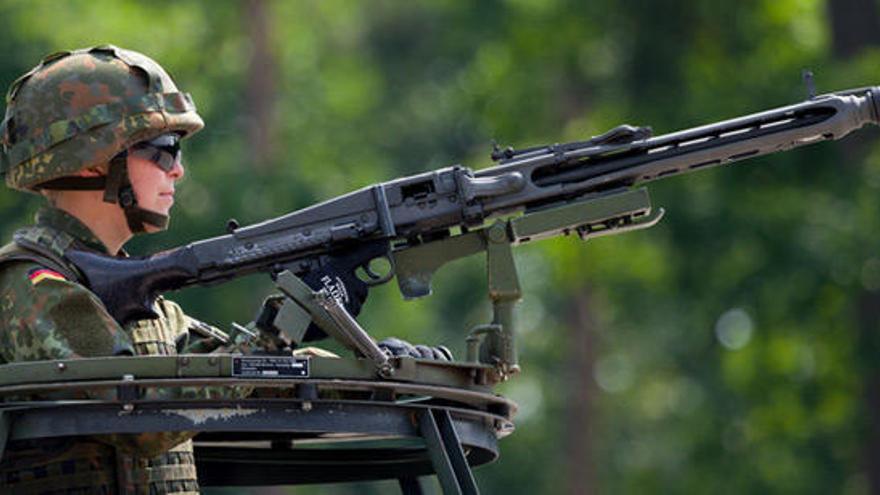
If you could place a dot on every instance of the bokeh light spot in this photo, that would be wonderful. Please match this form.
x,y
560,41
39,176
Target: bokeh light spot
x,y
734,329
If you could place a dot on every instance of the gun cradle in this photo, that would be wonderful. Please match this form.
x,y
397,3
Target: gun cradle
x,y
605,214
493,344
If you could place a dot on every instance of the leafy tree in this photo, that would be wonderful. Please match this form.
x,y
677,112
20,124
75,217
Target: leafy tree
x,y
730,349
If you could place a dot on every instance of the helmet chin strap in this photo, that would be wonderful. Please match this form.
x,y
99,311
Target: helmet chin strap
x,y
117,189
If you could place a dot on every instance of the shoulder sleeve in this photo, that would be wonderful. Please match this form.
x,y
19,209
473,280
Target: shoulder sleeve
x,y
50,317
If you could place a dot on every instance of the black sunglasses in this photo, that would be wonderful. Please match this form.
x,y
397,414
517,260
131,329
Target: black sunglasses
x,y
162,150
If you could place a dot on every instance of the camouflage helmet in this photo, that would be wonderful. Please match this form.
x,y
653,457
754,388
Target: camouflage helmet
x,y
81,108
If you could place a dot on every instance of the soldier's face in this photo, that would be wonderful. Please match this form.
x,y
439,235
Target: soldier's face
x,y
153,185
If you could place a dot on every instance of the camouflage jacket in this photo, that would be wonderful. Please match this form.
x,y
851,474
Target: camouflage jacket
x,y
46,316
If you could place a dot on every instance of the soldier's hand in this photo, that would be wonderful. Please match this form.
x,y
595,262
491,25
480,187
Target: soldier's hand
x,y
341,283
400,347
339,280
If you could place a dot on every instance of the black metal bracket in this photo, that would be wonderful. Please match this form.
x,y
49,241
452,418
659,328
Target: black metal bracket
x,y
411,486
447,456
5,426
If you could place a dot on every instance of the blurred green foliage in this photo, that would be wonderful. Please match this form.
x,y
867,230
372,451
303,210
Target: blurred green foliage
x,y
731,349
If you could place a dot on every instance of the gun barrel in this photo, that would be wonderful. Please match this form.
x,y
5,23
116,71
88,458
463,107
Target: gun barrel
x,y
600,167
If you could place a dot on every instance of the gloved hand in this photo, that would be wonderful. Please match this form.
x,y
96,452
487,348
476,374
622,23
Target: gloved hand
x,y
339,279
400,347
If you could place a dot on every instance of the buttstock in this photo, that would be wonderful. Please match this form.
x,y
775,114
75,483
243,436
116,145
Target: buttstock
x,y
128,287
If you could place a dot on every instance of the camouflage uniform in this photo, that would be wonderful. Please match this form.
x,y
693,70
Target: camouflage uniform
x,y
73,111
46,320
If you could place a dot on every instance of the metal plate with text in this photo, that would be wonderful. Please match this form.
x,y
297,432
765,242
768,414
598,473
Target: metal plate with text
x,y
270,367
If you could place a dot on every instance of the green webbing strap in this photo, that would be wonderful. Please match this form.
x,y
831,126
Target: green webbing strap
x,y
56,241
116,180
26,247
74,183
30,251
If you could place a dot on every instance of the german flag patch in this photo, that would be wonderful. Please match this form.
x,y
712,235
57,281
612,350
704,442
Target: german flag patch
x,y
37,275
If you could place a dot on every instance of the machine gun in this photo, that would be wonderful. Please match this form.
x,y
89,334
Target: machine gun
x,y
418,416
420,222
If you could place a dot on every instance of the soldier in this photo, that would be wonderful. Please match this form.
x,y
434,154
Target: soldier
x,y
97,132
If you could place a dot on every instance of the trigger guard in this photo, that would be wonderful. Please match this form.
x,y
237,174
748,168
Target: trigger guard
x,y
375,278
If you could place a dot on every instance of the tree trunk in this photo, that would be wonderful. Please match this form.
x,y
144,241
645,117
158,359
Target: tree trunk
x,y
854,26
260,87
580,469
869,349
